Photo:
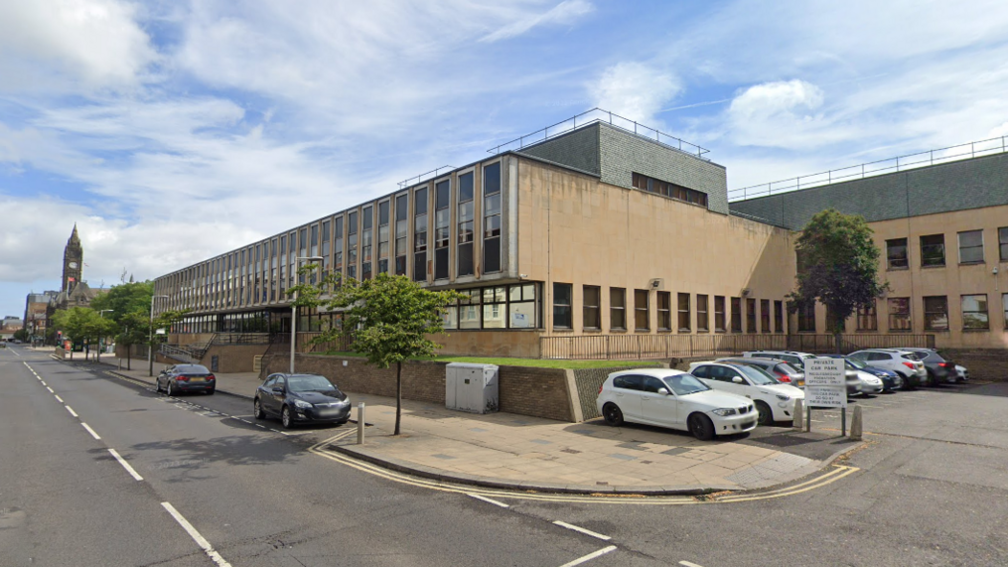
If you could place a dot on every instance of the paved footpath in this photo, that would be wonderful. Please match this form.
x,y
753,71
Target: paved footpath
x,y
505,450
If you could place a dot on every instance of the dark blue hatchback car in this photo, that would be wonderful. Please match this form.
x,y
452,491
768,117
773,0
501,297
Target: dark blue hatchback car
x,y
300,398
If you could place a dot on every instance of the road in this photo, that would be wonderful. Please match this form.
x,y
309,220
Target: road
x,y
932,489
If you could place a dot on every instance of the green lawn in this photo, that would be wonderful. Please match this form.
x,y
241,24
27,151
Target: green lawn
x,y
533,362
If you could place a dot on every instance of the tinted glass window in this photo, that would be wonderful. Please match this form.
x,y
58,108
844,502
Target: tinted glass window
x,y
701,371
653,385
757,375
684,384
628,382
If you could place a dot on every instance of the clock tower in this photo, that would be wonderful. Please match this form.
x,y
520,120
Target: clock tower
x,y
73,262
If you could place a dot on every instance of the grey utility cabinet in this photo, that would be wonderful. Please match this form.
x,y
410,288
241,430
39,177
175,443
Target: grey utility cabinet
x,y
471,387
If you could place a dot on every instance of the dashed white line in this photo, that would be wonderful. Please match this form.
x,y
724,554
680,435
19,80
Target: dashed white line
x,y
72,412
50,390
199,539
590,556
43,383
59,399
582,530
688,564
488,500
126,465
91,431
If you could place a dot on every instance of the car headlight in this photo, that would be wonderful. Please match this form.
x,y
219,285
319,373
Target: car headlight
x,y
302,404
724,411
783,397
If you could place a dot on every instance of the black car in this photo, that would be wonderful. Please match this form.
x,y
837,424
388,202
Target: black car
x,y
186,378
938,368
300,398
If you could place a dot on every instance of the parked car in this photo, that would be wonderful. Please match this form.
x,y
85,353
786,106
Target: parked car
x,y
869,382
674,399
900,361
891,381
181,378
781,369
300,398
774,401
795,358
938,368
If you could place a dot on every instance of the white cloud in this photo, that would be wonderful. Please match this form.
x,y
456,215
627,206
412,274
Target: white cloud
x,y
775,114
634,90
59,43
563,13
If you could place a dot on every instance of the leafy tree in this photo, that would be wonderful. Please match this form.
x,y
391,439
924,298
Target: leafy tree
x,y
130,304
83,324
21,335
838,267
389,318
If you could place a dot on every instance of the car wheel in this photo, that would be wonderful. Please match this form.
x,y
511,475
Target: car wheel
x,y
701,427
157,386
765,413
257,410
168,390
612,414
285,418
907,383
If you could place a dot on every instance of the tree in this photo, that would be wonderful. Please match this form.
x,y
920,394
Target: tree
x,y
130,309
21,335
389,318
838,267
83,324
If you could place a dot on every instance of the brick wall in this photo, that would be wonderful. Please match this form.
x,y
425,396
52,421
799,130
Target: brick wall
x,y
540,392
983,364
233,358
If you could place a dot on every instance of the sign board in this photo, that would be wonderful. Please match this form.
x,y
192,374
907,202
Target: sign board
x,y
825,383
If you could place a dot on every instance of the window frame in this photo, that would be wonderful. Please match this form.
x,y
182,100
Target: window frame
x,y
925,263
591,312
563,306
1003,245
465,225
663,305
644,312
720,314
959,242
930,311
985,312
685,312
867,318
703,315
778,316
617,309
897,263
899,315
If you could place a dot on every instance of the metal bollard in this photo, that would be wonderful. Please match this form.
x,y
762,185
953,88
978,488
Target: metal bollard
x,y
855,426
798,410
360,423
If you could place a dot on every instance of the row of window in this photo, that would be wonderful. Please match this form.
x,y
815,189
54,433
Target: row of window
x,y
932,246
496,307
667,189
262,272
620,312
973,307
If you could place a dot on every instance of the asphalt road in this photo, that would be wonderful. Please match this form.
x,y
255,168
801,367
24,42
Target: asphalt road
x,y
932,489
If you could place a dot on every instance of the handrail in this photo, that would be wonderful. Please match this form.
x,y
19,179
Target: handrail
x,y
888,165
408,182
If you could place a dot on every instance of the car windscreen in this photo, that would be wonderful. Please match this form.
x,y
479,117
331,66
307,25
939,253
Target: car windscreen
x,y
684,384
309,383
757,375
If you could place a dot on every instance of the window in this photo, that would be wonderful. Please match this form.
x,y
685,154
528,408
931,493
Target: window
x,y
469,309
719,314
867,320
491,218
352,245
367,237
442,230
338,245
971,247
899,314
1003,241
523,308
702,320
932,250
592,298
383,236
1004,305
750,315
561,306
420,235
667,189
896,253
806,318
465,224
936,313
684,313
778,315
617,309
641,309
401,229
974,312
326,247
765,315
736,315
664,311
494,307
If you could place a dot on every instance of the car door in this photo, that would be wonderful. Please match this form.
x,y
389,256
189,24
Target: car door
x,y
626,394
725,377
657,405
274,401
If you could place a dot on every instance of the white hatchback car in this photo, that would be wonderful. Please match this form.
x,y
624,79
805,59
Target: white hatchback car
x,y
674,399
774,401
902,362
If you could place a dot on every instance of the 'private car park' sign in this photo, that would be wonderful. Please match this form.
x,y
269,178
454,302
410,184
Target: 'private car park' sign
x,y
826,387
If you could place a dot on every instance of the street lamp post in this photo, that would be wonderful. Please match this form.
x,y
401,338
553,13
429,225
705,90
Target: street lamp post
x,y
294,311
150,336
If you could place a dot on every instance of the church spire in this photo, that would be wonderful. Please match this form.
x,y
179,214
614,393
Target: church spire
x,y
74,238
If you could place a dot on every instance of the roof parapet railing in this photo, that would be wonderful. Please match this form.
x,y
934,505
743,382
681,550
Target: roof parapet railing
x,y
416,179
600,115
958,152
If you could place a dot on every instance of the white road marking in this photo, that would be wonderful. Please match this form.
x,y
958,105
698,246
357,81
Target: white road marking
x,y
91,431
582,530
590,556
14,351
43,383
50,390
485,499
199,539
72,412
125,465
59,399
688,564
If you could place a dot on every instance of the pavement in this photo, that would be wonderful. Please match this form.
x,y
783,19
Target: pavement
x,y
511,451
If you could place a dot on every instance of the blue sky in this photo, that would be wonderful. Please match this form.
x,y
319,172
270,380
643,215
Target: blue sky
x,y
170,131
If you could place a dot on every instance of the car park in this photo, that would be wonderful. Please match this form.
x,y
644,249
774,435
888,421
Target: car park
x,y
902,362
938,368
795,358
300,398
184,378
782,370
774,401
674,399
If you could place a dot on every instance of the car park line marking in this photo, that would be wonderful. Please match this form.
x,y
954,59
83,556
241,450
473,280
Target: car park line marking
x,y
590,556
91,431
582,530
70,409
197,537
688,564
126,465
485,499
58,399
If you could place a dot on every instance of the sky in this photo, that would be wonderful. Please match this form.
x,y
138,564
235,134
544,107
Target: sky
x,y
170,131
